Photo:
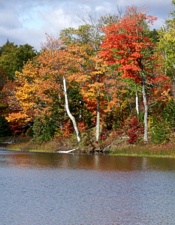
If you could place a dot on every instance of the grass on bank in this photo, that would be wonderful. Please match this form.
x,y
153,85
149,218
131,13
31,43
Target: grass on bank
x,y
165,150
26,144
30,146
123,148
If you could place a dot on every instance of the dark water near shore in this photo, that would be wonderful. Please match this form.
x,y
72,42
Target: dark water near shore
x,y
62,189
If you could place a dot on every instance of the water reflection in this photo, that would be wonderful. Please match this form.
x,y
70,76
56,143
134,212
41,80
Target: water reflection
x,y
88,162
51,189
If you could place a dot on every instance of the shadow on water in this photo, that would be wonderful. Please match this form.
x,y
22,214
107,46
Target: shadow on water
x,y
87,162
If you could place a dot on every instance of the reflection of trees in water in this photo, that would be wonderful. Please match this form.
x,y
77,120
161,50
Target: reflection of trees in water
x,y
33,159
161,163
87,162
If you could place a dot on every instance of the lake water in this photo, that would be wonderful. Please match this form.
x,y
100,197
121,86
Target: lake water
x,y
65,189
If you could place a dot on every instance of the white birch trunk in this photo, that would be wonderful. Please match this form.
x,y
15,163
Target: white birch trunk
x,y
68,111
98,120
145,103
137,103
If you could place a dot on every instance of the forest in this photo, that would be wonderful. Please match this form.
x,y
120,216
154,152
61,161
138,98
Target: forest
x,y
111,78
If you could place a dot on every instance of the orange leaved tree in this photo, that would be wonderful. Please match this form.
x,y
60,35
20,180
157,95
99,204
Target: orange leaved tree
x,y
64,63
42,83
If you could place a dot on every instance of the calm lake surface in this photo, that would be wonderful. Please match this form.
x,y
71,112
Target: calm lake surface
x,y
67,189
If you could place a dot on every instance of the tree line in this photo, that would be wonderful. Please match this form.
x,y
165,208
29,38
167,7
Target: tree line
x,y
106,78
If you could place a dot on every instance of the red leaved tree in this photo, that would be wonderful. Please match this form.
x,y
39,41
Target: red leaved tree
x,y
128,46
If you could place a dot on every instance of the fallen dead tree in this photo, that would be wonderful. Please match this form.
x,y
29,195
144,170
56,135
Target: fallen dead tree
x,y
67,151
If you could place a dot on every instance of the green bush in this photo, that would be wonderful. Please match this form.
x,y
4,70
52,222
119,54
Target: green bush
x,y
43,129
159,131
169,114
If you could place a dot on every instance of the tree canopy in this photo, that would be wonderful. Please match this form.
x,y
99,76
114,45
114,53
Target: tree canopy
x,y
104,79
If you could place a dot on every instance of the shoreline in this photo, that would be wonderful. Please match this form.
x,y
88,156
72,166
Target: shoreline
x,y
165,150
80,152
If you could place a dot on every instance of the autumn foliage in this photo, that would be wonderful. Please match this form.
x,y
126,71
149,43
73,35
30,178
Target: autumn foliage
x,y
134,130
108,69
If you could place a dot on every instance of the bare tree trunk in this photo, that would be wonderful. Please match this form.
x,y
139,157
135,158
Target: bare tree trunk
x,y
98,119
68,111
137,103
145,103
